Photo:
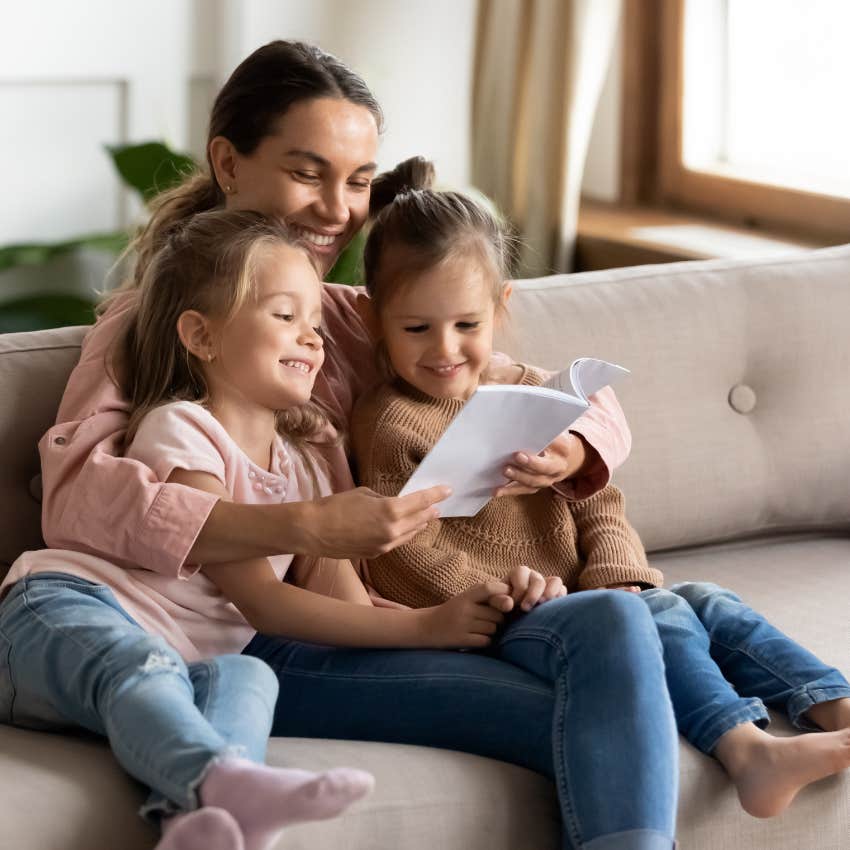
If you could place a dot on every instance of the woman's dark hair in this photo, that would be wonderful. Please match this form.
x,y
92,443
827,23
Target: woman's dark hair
x,y
261,89
428,227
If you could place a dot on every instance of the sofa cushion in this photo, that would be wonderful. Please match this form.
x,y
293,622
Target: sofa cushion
x,y
34,369
739,398
433,798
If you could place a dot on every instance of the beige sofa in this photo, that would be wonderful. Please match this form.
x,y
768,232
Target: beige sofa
x,y
739,403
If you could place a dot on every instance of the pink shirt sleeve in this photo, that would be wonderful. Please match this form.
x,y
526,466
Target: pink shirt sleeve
x,y
96,501
605,428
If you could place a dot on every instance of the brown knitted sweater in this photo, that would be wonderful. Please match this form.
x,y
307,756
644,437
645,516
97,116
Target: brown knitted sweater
x,y
588,543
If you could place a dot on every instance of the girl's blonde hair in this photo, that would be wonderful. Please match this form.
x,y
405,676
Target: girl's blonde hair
x,y
209,265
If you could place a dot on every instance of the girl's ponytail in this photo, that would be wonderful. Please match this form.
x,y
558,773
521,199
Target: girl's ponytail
x,y
414,228
408,176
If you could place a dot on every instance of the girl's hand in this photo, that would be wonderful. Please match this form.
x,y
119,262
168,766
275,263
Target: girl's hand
x,y
466,620
629,588
529,587
562,458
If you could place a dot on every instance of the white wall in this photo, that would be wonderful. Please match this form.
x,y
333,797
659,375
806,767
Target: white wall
x,y
416,57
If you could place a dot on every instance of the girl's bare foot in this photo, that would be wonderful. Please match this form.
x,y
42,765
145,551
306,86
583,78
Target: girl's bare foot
x,y
768,772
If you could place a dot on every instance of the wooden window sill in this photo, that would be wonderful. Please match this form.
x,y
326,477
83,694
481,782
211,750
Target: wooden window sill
x,y
611,236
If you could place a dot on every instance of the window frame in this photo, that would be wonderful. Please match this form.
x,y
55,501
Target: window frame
x,y
652,167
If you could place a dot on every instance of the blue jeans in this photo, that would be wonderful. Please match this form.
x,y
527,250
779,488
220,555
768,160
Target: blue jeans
x,y
71,656
726,663
574,690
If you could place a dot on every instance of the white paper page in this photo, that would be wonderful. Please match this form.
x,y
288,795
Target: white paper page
x,y
493,425
586,376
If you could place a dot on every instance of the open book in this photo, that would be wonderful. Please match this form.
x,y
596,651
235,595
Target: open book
x,y
497,422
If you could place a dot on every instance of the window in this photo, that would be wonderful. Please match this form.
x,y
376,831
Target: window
x,y
752,123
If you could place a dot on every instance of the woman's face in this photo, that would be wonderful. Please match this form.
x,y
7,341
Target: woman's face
x,y
314,172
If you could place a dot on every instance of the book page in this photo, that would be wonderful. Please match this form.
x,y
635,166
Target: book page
x,y
493,425
586,376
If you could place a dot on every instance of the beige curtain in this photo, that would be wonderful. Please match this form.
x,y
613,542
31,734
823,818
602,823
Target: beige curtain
x,y
539,68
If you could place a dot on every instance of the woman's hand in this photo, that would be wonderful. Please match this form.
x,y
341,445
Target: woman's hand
x,y
362,523
529,587
466,620
562,458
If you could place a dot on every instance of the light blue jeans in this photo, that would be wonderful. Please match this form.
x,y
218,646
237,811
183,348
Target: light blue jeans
x,y
574,690
725,663
71,656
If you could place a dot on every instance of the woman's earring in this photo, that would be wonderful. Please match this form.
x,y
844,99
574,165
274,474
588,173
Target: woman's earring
x,y
210,357
228,188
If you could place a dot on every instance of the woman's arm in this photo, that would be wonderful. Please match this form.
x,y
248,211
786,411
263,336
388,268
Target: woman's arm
x,y
274,607
99,502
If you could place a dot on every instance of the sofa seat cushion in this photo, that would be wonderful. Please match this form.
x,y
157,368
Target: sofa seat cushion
x,y
802,585
427,797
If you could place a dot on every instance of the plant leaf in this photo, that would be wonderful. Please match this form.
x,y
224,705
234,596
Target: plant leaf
x,y
150,167
48,310
348,267
38,253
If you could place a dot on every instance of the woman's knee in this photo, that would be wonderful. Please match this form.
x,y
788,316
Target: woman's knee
x,y
612,612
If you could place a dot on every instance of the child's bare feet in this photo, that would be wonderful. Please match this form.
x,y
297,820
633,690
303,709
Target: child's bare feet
x,y
768,771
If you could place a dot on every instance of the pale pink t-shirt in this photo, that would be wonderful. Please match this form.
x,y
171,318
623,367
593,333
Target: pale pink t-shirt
x,y
188,611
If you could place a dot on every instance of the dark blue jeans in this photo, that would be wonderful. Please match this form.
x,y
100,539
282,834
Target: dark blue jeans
x,y
574,689
726,662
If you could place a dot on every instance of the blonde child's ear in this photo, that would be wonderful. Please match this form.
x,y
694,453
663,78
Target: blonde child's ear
x,y
507,291
195,333
368,315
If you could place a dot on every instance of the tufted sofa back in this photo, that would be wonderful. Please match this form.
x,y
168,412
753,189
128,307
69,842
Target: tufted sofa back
x,y
739,398
33,370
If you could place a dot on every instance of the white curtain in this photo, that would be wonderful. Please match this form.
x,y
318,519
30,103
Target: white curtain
x,y
539,69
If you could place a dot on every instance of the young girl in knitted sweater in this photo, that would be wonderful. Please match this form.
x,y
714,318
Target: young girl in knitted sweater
x,y
436,266
435,277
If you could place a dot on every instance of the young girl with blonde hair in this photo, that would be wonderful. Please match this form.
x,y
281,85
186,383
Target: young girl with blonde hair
x,y
218,361
436,271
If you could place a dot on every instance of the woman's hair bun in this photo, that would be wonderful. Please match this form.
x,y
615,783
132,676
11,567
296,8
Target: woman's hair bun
x,y
408,176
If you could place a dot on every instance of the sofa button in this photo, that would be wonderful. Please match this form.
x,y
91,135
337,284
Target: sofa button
x,y
742,398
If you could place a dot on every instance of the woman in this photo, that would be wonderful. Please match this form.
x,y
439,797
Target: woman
x,y
294,133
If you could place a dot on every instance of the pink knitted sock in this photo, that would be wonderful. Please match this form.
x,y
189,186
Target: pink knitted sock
x,y
207,828
265,799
